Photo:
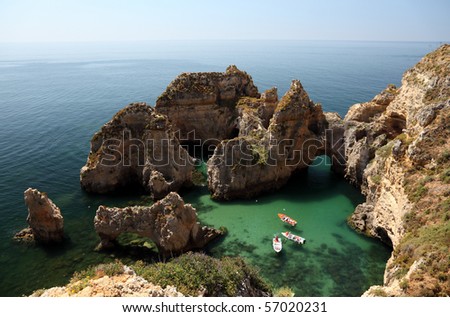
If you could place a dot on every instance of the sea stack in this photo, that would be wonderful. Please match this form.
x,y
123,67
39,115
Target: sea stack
x,y
262,158
202,106
137,147
44,218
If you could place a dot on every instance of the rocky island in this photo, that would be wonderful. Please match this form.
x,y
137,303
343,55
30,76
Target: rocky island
x,y
170,223
262,158
46,223
137,148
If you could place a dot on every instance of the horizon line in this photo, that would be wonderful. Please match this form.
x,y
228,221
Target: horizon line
x,y
217,40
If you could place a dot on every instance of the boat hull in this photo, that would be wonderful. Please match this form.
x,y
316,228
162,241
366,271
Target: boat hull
x,y
277,245
293,237
287,219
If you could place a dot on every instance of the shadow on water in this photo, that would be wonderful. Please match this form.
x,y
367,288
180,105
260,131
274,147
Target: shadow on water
x,y
335,261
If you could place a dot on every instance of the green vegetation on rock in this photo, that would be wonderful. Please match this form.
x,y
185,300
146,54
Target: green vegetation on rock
x,y
195,274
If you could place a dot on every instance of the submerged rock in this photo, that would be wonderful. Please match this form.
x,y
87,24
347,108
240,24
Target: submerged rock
x,y
263,158
202,106
137,147
170,223
44,218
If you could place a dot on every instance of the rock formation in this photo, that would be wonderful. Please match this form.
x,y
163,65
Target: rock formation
x,y
170,223
191,274
44,218
366,131
262,158
260,141
137,147
124,284
394,147
205,103
334,145
397,151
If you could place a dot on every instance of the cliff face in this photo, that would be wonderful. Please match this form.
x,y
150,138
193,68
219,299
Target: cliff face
x,y
263,158
170,223
137,147
205,103
44,218
397,150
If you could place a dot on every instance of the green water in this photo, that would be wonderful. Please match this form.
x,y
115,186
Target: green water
x,y
335,261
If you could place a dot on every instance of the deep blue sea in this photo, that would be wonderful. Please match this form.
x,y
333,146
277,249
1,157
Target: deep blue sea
x,y
53,97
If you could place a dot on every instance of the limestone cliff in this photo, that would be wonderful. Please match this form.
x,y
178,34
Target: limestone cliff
x,y
205,103
397,150
263,158
170,223
137,147
46,224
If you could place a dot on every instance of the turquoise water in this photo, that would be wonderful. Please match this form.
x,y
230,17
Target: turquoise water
x,y
334,261
54,97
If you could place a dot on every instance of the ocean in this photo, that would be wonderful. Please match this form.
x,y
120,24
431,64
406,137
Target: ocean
x,y
53,97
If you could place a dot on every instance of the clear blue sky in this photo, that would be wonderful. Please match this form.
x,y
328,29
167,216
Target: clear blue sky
x,y
114,20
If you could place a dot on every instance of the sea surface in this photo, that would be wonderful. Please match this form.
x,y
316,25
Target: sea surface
x,y
53,97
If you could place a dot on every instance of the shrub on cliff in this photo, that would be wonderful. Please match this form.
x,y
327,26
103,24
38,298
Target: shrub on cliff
x,y
197,274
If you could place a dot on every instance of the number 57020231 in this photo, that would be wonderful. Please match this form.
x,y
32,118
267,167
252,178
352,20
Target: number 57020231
x,y
295,307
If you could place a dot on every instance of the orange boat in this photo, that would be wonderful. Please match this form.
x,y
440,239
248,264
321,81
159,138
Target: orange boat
x,y
287,219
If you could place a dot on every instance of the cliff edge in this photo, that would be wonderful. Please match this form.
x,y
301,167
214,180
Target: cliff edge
x,y
397,150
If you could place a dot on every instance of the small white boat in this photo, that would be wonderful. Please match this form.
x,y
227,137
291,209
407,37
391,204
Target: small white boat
x,y
277,245
294,237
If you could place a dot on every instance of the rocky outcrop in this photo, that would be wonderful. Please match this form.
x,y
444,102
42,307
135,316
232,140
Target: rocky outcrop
x,y
191,274
366,131
334,145
254,114
124,284
202,106
263,159
170,223
44,218
397,151
136,148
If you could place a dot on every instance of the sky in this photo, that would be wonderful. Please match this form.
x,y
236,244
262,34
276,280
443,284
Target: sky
x,y
141,20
